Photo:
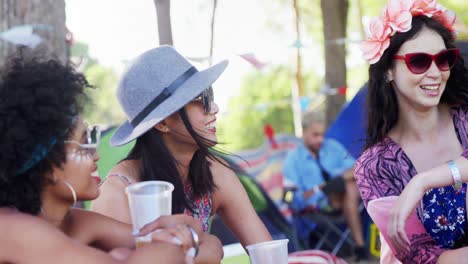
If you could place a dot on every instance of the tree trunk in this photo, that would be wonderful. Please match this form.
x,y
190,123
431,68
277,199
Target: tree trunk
x,y
213,16
46,17
298,87
334,15
163,13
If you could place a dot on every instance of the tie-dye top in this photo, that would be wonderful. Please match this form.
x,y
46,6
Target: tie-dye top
x,y
384,170
201,207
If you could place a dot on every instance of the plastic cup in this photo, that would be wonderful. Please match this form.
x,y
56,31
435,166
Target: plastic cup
x,y
275,251
147,202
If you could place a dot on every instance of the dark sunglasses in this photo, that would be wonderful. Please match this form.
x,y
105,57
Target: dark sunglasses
x,y
206,98
419,62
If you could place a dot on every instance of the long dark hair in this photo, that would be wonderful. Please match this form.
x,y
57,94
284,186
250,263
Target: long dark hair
x,y
158,163
382,104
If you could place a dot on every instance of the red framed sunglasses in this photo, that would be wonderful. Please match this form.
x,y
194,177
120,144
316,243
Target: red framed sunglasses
x,y
419,62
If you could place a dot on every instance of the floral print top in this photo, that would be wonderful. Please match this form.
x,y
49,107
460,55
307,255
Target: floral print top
x,y
384,170
201,206
444,215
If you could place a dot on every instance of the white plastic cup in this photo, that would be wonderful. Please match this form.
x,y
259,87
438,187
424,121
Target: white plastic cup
x,y
147,201
270,252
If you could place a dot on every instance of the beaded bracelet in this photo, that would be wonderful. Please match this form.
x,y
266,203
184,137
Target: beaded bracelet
x,y
455,174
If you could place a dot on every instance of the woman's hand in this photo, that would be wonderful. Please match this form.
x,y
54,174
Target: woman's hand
x,y
179,235
121,253
175,229
403,207
168,221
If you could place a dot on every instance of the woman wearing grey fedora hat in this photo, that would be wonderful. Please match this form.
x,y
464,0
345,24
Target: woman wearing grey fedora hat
x,y
47,163
172,116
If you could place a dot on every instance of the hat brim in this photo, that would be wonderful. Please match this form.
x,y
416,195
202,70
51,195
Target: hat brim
x,y
190,89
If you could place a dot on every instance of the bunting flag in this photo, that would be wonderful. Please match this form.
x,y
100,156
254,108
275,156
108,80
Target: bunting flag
x,y
250,57
24,35
270,134
332,91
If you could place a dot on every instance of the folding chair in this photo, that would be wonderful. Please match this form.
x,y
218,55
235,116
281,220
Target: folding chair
x,y
331,230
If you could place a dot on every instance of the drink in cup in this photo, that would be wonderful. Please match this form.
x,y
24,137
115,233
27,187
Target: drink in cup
x,y
147,202
275,251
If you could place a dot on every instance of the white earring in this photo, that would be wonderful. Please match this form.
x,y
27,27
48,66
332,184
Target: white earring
x,y
72,190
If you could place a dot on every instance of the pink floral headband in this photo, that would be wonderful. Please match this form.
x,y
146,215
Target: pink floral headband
x,y
396,17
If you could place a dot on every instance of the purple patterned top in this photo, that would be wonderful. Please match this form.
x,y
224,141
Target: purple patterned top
x,y
384,169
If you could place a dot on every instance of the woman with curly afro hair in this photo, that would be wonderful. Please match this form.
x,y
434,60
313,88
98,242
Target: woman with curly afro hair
x,y
47,163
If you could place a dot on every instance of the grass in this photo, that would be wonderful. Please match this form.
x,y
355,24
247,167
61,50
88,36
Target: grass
x,y
242,259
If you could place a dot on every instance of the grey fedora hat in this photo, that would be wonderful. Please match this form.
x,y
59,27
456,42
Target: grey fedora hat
x,y
157,84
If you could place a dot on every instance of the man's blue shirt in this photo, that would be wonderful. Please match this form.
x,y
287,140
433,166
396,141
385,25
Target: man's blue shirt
x,y
302,170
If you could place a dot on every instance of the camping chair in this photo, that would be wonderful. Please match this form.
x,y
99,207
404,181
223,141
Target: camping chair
x,y
331,229
274,221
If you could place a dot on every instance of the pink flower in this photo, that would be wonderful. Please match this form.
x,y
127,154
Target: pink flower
x,y
425,7
447,18
377,42
397,15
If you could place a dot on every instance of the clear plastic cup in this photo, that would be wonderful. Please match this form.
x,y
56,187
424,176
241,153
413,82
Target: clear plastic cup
x,y
270,252
147,201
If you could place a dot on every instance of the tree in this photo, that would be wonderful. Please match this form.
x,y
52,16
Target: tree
x,y
213,16
45,18
268,95
102,108
163,13
334,17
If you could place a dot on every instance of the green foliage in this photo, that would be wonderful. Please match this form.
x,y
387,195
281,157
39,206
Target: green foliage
x,y
80,55
265,98
102,108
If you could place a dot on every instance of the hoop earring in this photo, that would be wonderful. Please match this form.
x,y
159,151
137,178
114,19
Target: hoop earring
x,y
70,187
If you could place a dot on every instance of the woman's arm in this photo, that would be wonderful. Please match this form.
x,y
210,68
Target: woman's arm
x,y
210,249
113,203
379,176
234,207
28,239
412,194
453,256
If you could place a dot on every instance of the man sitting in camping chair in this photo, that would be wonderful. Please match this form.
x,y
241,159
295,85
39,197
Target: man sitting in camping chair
x,y
322,172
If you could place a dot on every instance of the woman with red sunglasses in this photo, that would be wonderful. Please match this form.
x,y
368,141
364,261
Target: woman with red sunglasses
x,y
417,120
172,116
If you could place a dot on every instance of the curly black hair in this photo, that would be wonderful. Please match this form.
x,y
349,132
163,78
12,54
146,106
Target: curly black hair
x,y
40,99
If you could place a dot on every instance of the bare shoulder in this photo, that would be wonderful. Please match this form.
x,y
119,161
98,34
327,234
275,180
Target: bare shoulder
x,y
16,226
127,168
227,183
222,172
112,201
119,177
12,221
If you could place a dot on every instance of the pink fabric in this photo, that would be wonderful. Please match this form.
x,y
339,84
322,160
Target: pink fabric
x,y
386,254
379,210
